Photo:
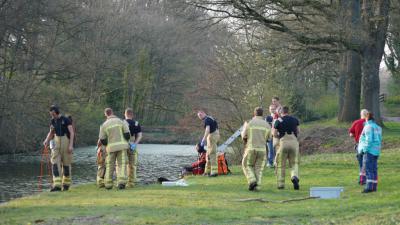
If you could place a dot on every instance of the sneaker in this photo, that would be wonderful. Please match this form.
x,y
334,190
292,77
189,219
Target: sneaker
x,y
54,189
366,191
121,186
295,182
269,165
252,186
65,187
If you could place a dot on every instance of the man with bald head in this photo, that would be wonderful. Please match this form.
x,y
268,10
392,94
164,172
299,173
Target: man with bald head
x,y
211,135
114,134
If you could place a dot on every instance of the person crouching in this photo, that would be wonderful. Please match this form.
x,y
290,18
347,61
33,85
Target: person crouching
x,y
197,168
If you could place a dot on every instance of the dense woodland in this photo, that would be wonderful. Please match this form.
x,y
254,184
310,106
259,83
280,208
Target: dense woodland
x,y
167,58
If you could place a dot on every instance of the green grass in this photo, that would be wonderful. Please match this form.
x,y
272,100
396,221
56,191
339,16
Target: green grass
x,y
392,110
333,122
391,134
211,200
392,106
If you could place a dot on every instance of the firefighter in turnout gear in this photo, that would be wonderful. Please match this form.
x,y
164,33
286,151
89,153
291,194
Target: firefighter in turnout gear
x,y
114,134
62,131
255,134
286,128
136,135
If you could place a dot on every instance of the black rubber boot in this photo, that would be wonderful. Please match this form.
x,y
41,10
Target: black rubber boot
x,y
295,182
121,186
65,187
252,186
54,189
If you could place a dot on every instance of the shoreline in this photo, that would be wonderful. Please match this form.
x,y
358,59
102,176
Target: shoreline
x,y
215,200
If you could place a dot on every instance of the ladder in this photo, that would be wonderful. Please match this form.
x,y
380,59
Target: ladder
x,y
229,141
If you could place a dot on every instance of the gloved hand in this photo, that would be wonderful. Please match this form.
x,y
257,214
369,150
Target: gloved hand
x,y
132,146
202,143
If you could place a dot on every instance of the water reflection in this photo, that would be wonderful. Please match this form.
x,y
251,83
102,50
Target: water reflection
x,y
19,175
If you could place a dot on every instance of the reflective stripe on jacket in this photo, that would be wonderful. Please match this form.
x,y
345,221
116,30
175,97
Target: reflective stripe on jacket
x,y
113,130
257,131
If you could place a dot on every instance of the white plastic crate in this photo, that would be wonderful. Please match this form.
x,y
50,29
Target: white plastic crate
x,y
326,192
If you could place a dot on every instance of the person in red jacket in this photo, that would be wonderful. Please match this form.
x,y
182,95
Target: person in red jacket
x,y
355,132
197,168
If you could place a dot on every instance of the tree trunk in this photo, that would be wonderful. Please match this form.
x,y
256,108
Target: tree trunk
x,y
371,83
341,83
352,64
375,25
352,89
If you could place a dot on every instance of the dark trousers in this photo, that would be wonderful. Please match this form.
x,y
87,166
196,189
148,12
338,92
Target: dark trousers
x,y
271,152
361,164
371,168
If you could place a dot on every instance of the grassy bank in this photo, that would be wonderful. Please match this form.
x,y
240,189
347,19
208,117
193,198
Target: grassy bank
x,y
212,200
329,136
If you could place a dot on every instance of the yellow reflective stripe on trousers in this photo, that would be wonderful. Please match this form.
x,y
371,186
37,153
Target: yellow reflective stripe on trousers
x,y
251,128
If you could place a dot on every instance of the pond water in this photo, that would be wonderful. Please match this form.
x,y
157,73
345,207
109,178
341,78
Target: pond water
x,y
19,174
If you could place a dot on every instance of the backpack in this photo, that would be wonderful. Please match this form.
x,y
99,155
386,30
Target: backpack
x,y
223,168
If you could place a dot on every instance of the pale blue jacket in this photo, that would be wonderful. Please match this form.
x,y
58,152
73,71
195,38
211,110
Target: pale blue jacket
x,y
370,139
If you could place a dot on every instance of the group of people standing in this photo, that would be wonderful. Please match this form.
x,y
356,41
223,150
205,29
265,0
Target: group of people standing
x,y
368,140
117,149
279,130
118,141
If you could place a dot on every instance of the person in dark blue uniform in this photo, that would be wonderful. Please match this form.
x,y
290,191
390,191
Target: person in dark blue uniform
x,y
286,128
211,135
136,136
62,131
